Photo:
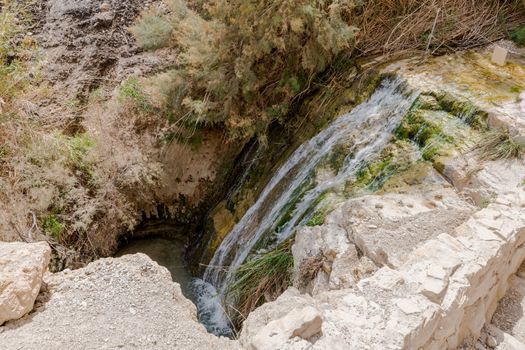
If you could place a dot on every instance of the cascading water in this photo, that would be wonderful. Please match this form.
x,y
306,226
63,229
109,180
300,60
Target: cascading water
x,y
367,128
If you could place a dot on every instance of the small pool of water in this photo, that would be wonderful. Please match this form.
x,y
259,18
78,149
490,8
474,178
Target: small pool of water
x,y
166,252
170,254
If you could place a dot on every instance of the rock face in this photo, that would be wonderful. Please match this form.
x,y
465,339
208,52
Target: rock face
x,y
442,253
302,323
126,303
87,43
22,266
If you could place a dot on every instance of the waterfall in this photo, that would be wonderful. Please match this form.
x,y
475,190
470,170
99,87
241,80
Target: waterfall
x,y
368,128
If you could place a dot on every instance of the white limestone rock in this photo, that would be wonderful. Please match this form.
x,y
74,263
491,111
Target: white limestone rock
x,y
387,228
303,323
22,266
128,302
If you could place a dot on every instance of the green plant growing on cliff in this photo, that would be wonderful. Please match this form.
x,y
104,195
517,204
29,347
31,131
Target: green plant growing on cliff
x,y
497,144
132,92
53,226
246,62
12,47
464,110
518,35
317,219
260,279
153,31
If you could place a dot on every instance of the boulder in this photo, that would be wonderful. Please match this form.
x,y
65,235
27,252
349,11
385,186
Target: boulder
x,y
22,266
303,323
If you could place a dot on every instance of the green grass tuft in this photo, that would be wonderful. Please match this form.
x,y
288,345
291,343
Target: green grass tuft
x,y
261,279
317,219
132,91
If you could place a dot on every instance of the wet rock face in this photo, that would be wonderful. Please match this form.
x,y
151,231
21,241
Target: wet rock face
x,y
22,266
441,248
87,43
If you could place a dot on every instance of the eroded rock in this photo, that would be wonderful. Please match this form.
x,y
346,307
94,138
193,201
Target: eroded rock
x,y
22,266
303,323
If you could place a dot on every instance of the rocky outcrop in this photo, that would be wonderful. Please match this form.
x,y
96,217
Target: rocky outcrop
x,y
299,323
445,289
444,251
22,267
128,302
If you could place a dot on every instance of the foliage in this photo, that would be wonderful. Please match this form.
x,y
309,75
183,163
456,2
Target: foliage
x,y
463,110
132,92
52,226
518,35
261,279
11,48
317,219
243,67
243,64
153,31
497,144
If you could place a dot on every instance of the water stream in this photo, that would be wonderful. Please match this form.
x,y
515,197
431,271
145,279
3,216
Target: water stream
x,y
288,198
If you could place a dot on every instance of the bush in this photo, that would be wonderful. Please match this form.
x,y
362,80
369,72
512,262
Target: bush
x,y
153,31
244,64
11,71
244,67
497,144
52,226
518,35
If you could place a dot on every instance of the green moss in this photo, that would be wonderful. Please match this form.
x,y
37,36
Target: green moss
x,y
317,219
413,175
463,110
374,174
416,128
516,89
337,157
435,146
53,226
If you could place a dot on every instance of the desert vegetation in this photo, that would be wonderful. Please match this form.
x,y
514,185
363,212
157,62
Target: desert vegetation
x,y
61,179
498,144
80,168
243,65
261,279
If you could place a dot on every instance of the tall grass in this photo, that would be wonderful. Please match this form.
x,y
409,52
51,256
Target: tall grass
x,y
259,280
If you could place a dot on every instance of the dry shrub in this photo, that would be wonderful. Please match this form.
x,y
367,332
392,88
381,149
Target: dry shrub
x,y
78,192
241,65
498,144
395,25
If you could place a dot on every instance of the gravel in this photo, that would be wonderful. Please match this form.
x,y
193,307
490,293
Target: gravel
x,y
115,303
